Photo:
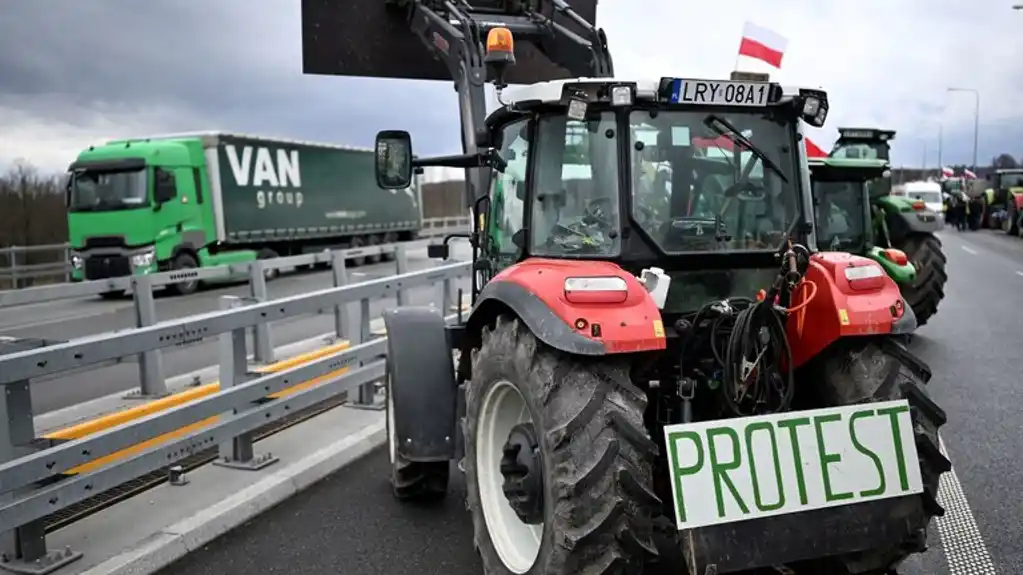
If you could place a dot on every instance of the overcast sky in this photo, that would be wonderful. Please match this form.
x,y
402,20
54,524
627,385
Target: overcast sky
x,y
75,73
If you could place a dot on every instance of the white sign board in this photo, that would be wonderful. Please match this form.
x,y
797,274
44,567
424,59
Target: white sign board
x,y
737,469
720,93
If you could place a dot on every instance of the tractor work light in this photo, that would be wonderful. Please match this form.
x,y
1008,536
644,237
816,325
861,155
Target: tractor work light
x,y
814,109
596,289
621,95
865,277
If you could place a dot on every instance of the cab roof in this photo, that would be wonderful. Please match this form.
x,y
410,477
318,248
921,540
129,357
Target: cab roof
x,y
551,91
848,162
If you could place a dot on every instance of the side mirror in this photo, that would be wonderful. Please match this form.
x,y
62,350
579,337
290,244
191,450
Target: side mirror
x,y
438,251
393,159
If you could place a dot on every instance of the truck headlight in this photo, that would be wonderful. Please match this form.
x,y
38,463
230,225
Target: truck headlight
x,y
77,261
143,259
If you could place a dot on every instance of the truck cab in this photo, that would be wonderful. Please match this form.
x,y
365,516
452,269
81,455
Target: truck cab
x,y
134,207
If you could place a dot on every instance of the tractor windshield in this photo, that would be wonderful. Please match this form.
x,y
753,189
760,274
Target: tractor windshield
x,y
701,182
1010,180
861,150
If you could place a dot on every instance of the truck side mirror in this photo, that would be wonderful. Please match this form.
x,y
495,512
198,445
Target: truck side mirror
x,y
393,163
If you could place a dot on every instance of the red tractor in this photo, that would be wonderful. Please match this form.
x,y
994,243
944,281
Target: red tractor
x,y
659,366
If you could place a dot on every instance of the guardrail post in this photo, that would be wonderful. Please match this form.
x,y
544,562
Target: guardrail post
x,y
339,268
234,369
263,350
14,268
23,548
401,259
67,264
150,362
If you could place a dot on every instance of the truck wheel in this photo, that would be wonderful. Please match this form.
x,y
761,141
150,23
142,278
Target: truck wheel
x,y
558,463
184,261
864,370
389,238
373,240
928,289
269,254
414,480
357,242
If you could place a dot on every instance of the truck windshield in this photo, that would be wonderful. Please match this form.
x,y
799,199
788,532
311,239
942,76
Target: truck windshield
x,y
576,207
696,189
841,215
108,191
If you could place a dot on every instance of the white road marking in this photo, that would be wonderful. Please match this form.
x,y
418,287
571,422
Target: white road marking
x,y
961,541
969,250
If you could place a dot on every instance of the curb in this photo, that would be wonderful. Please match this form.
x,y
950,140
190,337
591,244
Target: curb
x,y
193,533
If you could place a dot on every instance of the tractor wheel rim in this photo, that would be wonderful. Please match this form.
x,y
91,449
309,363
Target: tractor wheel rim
x,y
516,542
391,436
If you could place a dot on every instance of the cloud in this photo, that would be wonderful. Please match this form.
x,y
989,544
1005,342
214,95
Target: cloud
x,y
75,73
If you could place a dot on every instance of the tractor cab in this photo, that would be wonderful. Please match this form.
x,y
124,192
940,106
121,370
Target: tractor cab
x,y
704,179
1005,183
866,144
850,208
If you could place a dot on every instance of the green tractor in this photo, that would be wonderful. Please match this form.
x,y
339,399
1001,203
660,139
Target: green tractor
x,y
858,168
1004,196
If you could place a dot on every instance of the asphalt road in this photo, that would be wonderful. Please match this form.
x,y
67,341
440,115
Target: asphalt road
x,y
349,523
68,319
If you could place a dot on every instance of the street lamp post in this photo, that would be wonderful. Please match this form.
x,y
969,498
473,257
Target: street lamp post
x,y
976,117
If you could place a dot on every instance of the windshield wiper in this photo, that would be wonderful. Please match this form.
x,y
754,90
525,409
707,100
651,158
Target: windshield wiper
x,y
725,128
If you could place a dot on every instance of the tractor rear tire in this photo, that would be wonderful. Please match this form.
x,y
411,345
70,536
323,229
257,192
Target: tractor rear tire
x,y
866,370
928,289
591,460
414,481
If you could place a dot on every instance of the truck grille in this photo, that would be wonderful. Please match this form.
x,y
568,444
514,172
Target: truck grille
x,y
104,242
103,267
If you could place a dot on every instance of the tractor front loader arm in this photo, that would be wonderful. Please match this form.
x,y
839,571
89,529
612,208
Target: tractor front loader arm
x,y
455,33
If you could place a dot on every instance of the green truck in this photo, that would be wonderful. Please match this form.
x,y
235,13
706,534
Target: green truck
x,y
184,201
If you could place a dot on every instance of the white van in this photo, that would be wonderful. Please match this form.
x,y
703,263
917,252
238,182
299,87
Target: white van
x,y
929,193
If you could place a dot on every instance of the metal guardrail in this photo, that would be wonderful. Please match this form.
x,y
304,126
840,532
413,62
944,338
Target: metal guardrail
x,y
150,362
14,269
240,406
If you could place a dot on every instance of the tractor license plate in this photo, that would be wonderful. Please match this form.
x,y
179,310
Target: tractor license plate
x,y
732,470
721,93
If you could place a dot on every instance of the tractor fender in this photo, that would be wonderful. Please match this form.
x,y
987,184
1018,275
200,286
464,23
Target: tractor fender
x,y
907,323
534,290
903,220
840,310
421,381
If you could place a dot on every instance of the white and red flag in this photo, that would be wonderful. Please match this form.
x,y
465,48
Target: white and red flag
x,y
947,172
762,44
969,175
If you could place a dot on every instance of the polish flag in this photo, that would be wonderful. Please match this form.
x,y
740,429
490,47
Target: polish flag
x,y
947,172
813,150
762,44
969,175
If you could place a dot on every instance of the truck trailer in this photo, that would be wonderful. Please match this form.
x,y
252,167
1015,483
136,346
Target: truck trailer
x,y
183,201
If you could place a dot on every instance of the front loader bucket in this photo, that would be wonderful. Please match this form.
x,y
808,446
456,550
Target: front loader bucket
x,y
372,38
